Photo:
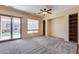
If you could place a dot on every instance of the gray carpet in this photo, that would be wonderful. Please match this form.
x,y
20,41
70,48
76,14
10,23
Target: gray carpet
x,y
38,45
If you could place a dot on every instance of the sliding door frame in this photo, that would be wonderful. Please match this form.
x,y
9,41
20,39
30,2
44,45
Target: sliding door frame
x,y
11,27
0,28
20,29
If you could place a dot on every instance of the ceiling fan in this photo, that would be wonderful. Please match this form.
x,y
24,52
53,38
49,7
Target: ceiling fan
x,y
45,11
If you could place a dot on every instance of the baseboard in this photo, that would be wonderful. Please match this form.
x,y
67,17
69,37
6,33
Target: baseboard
x,y
56,37
31,37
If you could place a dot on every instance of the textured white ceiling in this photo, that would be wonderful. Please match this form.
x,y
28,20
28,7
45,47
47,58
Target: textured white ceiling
x,y
36,8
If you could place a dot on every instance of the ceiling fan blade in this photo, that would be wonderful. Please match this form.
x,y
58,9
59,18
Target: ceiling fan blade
x,y
49,12
49,9
41,10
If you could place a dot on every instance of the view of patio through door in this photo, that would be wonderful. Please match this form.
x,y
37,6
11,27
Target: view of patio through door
x,y
9,28
15,28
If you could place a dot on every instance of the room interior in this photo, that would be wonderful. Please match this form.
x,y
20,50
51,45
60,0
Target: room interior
x,y
39,29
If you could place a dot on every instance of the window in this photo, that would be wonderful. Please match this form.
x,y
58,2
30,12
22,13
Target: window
x,y
33,26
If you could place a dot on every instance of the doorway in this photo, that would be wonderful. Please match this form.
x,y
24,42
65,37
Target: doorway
x,y
73,28
9,28
43,27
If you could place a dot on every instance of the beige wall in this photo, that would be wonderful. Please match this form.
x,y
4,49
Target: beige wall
x,y
58,28
59,23
25,16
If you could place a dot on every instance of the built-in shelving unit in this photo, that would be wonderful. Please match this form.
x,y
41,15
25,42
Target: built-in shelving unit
x,y
73,28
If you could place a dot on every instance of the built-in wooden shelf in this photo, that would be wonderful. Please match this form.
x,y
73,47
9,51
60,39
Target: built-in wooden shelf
x,y
73,27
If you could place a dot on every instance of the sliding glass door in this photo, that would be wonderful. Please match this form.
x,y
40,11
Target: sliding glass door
x,y
15,28
5,28
9,28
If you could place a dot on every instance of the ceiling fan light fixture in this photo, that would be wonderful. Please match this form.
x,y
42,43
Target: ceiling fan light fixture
x,y
44,13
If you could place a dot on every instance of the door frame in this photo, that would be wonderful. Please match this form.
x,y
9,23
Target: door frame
x,y
44,27
20,29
